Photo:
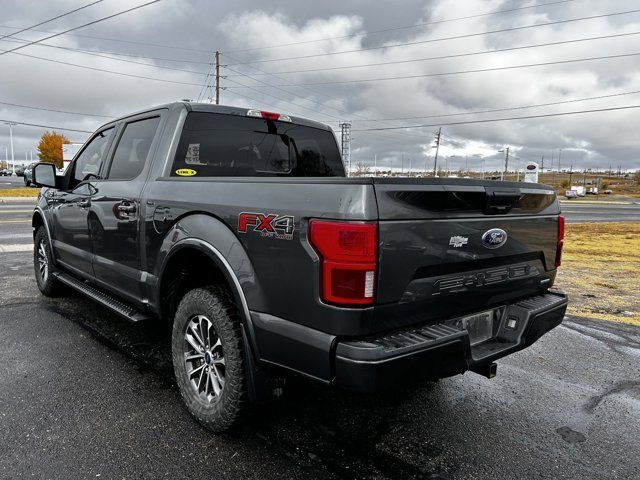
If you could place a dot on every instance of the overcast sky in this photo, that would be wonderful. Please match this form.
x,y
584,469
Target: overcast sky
x,y
181,37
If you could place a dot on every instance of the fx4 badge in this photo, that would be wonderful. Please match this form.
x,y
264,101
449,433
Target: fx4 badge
x,y
267,224
458,241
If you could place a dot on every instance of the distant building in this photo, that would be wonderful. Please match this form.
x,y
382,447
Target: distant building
x,y
69,151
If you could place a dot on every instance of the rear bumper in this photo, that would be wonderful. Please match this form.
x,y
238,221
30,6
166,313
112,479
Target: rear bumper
x,y
442,350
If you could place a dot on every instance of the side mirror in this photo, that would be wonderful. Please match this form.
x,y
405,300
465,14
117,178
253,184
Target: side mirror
x,y
44,175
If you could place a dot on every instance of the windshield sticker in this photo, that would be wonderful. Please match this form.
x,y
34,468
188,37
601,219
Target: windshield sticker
x,y
268,225
193,154
185,172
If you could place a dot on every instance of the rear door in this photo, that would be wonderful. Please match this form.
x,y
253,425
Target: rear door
x,y
115,212
454,246
70,208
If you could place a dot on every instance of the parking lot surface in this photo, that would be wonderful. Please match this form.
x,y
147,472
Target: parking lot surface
x,y
83,393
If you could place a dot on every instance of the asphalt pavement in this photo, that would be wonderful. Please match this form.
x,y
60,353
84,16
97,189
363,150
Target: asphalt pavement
x,y
577,212
11,182
84,394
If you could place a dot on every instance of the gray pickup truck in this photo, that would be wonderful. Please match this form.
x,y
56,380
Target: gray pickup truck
x,y
240,229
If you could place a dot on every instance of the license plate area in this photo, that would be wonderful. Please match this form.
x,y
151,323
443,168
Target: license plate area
x,y
479,326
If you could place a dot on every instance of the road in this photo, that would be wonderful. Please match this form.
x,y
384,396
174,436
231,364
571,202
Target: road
x,y
84,394
11,182
15,226
576,212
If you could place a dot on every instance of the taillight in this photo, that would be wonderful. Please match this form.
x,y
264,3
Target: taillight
x,y
348,254
268,115
560,242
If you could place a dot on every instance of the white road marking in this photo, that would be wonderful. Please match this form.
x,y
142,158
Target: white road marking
x,y
20,247
13,236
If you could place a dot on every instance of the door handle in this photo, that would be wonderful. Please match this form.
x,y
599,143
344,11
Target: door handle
x,y
84,203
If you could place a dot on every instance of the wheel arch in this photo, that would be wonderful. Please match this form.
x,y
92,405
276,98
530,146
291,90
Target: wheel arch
x,y
39,219
221,257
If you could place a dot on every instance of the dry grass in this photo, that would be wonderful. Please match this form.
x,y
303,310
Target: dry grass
x,y
601,270
19,192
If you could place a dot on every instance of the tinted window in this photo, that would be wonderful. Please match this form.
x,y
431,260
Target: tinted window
x,y
133,149
217,145
91,158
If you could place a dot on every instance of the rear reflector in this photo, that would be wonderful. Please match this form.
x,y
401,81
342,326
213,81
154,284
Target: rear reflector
x,y
348,254
560,242
268,115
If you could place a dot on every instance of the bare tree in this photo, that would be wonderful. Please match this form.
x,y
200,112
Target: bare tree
x,y
362,170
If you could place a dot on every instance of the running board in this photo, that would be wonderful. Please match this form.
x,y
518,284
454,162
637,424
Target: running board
x,y
104,299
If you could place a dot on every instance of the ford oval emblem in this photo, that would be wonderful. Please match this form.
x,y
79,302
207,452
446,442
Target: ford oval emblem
x,y
494,238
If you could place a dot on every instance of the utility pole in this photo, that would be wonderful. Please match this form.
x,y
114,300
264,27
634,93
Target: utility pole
x,y
346,146
435,160
217,77
570,174
506,162
559,158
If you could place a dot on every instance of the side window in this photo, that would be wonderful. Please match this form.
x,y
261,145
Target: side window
x,y
91,158
133,148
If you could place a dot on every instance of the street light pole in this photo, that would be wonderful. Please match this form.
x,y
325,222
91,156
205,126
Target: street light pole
x,y
13,163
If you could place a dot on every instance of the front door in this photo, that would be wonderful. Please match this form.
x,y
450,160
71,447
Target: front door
x,y
114,214
70,208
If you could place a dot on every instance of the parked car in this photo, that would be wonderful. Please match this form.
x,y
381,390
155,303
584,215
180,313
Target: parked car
x,y
20,171
28,174
569,194
5,172
607,191
240,229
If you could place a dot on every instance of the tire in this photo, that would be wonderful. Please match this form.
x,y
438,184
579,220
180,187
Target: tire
x,y
215,391
43,265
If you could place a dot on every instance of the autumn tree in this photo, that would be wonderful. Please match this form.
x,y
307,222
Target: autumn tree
x,y
50,147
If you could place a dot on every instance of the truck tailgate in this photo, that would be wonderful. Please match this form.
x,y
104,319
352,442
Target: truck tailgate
x,y
452,246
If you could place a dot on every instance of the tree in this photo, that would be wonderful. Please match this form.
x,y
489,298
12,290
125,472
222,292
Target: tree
x,y
565,184
50,147
362,170
637,177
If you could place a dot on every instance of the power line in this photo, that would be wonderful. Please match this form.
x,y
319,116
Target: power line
x,y
54,110
161,45
461,72
406,27
315,92
81,26
503,119
117,54
458,55
441,39
280,98
494,110
132,42
46,126
112,58
50,19
104,70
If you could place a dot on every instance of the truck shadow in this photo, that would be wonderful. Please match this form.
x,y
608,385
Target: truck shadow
x,y
318,427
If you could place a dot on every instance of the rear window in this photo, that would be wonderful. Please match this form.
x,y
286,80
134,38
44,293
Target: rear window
x,y
218,145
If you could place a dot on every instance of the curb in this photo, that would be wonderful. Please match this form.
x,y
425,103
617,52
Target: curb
x,y
590,202
31,200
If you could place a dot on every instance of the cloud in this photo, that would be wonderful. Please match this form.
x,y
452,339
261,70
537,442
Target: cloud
x,y
192,31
